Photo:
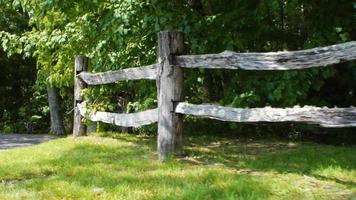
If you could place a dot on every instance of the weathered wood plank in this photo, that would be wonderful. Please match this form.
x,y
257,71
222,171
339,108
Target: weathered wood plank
x,y
326,117
126,120
146,72
170,90
316,57
81,65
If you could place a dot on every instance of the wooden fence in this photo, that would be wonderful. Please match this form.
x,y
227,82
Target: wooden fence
x,y
168,73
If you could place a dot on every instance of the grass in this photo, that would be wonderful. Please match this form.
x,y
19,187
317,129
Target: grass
x,y
122,166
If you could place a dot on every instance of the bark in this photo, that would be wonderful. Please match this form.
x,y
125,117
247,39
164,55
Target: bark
x,y
212,86
57,126
121,109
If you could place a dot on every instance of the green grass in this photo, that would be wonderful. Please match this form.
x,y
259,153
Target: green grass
x,y
124,166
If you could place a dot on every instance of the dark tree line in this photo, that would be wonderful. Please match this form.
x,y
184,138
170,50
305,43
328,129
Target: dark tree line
x,y
116,34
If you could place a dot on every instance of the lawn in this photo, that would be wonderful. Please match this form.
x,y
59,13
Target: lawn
x,y
121,166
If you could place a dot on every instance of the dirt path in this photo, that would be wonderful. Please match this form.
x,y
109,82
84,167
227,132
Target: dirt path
x,y
8,141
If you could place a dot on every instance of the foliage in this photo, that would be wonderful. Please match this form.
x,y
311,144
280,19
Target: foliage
x,y
117,34
17,103
215,168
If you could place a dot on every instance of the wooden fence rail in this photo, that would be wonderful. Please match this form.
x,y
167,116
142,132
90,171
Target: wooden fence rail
x,y
326,117
168,73
317,57
126,120
137,73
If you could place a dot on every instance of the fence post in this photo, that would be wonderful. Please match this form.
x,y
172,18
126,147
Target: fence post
x,y
169,91
81,64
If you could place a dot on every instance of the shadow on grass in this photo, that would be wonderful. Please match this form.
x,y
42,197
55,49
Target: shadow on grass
x,y
283,157
133,172
129,169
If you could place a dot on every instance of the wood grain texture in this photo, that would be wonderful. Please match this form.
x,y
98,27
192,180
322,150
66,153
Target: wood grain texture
x,y
81,65
316,57
126,120
170,90
146,72
326,117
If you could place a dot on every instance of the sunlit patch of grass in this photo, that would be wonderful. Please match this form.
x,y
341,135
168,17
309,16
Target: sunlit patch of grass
x,y
122,166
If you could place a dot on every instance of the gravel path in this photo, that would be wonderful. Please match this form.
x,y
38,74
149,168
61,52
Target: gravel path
x,y
8,141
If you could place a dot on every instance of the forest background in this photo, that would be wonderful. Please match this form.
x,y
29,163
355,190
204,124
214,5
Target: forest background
x,y
40,38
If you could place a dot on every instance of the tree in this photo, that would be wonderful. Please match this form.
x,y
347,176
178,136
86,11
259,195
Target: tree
x,y
57,126
118,33
17,75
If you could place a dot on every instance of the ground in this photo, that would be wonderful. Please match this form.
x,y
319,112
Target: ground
x,y
20,140
121,166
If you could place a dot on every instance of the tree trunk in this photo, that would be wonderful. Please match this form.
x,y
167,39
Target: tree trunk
x,y
121,108
212,86
57,126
